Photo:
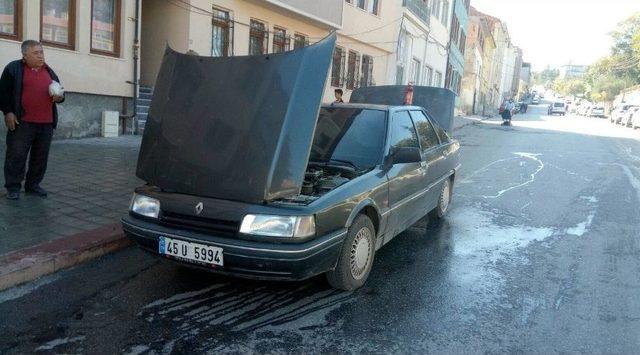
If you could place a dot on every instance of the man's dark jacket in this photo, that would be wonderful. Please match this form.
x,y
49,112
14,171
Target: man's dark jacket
x,y
11,90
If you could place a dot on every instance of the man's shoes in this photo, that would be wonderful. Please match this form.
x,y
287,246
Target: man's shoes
x,y
13,195
36,190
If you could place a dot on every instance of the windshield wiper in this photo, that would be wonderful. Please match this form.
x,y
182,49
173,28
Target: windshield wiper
x,y
344,162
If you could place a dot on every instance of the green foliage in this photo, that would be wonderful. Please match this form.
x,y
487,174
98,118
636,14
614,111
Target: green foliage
x,y
546,77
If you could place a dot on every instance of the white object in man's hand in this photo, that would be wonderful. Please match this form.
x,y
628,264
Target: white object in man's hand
x,y
55,89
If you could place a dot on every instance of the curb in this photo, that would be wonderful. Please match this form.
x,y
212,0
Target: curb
x,y
474,121
30,263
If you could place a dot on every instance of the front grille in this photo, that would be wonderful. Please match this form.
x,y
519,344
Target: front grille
x,y
199,224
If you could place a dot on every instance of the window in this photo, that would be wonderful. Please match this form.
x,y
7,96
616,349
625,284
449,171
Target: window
x,y
361,4
403,134
349,134
428,75
441,133
399,74
280,40
437,79
258,38
337,67
414,71
11,19
463,42
105,27
373,7
353,65
426,133
300,41
58,23
367,71
445,13
222,34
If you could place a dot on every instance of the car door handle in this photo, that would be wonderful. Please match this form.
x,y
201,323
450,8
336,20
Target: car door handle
x,y
445,153
424,164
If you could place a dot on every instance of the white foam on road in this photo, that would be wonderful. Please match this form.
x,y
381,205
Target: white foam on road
x,y
57,342
532,177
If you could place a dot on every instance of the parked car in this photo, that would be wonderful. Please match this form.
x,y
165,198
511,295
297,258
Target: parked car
x,y
618,113
627,117
596,111
635,120
272,184
535,101
557,107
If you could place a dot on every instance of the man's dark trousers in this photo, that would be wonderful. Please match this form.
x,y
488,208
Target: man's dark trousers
x,y
28,139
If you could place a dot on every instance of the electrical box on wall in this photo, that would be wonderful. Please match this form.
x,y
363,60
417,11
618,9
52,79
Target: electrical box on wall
x,y
110,123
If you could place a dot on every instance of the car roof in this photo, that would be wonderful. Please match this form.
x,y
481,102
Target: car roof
x,y
371,106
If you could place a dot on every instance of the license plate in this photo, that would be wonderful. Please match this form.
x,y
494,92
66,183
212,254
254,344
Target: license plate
x,y
194,252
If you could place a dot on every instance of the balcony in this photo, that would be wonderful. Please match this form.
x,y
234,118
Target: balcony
x,y
420,8
326,12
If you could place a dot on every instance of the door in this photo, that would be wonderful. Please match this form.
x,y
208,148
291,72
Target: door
x,y
434,156
406,180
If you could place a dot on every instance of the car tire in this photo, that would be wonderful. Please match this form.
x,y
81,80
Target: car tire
x,y
444,201
356,256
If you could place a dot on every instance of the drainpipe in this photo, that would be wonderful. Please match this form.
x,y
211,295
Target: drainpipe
x,y
135,82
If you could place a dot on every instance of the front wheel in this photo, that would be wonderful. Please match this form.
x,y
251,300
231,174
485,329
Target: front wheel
x,y
356,256
443,201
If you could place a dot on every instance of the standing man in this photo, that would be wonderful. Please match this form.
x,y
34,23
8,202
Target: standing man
x,y
30,115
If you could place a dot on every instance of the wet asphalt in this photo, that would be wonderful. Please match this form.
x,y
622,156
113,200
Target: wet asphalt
x,y
540,253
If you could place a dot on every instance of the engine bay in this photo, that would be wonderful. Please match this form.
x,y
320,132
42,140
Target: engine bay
x,y
320,178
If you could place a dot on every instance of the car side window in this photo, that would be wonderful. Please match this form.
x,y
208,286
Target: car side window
x,y
428,136
403,134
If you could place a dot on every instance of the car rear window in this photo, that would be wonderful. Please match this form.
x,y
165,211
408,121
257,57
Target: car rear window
x,y
558,104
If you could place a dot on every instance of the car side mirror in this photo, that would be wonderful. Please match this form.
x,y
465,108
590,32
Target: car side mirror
x,y
403,155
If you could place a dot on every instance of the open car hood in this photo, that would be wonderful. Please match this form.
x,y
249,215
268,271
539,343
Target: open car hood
x,y
439,102
235,128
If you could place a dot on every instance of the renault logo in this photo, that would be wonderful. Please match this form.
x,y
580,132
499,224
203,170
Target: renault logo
x,y
199,208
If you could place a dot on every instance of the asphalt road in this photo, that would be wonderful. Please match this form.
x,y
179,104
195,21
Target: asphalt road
x,y
539,254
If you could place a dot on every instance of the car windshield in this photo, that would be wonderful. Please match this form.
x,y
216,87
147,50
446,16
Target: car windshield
x,y
352,136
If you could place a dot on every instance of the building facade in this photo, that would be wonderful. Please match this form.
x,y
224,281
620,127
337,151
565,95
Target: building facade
x,y
570,71
457,46
90,45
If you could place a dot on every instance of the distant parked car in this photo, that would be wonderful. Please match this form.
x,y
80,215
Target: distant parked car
x,y
627,117
558,107
635,120
618,113
596,111
535,101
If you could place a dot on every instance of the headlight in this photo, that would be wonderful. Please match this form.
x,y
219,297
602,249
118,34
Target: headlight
x,y
145,206
278,226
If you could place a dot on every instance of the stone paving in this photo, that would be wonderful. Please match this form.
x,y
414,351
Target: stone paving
x,y
90,182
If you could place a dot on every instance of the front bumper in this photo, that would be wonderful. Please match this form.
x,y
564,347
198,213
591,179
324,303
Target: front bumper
x,y
249,259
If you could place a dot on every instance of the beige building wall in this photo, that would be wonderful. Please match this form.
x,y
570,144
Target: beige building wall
x,y
80,70
162,23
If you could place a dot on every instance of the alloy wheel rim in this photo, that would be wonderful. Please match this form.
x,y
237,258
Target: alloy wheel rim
x,y
444,199
360,255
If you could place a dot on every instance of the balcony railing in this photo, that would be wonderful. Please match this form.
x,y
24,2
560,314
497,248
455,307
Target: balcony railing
x,y
420,8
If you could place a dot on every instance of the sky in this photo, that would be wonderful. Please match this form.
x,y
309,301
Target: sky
x,y
556,32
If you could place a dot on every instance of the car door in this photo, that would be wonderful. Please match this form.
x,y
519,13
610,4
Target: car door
x,y
406,180
433,155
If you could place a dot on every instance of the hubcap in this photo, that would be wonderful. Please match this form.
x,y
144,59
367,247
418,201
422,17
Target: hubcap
x,y
444,199
360,253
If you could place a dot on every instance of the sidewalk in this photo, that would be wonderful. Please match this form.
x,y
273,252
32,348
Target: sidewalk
x,y
90,182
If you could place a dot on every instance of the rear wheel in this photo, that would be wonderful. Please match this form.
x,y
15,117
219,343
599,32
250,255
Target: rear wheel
x,y
443,201
356,256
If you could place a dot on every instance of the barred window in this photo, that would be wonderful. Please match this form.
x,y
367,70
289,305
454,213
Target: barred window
x,y
353,67
337,67
367,71
258,38
280,40
300,41
221,34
